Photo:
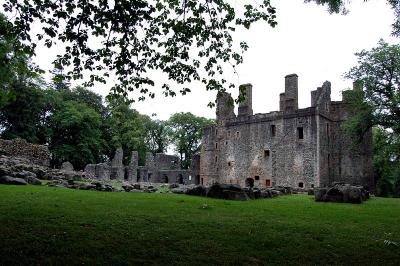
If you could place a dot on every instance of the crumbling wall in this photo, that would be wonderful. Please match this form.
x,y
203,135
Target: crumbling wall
x,y
291,147
37,154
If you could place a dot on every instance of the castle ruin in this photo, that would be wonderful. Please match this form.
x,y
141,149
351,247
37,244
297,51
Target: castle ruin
x,y
291,147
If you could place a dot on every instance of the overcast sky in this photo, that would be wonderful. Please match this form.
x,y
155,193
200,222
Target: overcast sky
x,y
307,41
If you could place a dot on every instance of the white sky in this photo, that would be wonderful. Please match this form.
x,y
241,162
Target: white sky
x,y
307,41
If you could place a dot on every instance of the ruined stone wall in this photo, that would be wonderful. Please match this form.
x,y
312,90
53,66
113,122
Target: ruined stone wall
x,y
293,147
351,160
253,150
37,154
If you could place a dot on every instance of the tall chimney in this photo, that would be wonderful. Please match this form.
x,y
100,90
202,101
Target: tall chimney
x,y
246,106
291,90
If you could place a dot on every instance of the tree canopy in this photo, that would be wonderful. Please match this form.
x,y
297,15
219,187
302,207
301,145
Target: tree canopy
x,y
186,40
375,103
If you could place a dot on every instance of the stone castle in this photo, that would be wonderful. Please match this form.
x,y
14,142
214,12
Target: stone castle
x,y
292,147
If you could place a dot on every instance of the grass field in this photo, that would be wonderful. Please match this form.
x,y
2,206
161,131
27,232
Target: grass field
x,y
42,225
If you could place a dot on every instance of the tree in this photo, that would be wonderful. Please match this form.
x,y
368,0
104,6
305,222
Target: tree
x,y
157,136
127,128
375,103
14,61
386,162
76,134
340,6
377,73
184,39
186,134
26,115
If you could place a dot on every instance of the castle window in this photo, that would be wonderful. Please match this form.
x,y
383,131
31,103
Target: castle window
x,y
216,132
237,134
257,177
312,185
266,153
273,130
301,184
216,158
327,130
229,133
268,183
300,133
229,164
216,145
226,142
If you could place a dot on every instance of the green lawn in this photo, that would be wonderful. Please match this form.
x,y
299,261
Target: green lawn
x,y
42,225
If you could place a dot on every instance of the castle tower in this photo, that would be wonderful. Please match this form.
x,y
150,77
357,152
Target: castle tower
x,y
225,107
289,100
246,106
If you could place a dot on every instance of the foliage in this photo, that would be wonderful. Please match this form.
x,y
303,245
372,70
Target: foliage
x,y
375,102
127,127
378,71
14,61
386,162
340,6
26,115
89,227
157,136
186,134
184,39
76,134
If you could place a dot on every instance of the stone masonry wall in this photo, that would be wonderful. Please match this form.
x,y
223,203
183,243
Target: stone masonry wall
x,y
292,147
37,154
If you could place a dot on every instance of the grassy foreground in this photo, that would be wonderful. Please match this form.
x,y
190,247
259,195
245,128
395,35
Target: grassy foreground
x,y
41,225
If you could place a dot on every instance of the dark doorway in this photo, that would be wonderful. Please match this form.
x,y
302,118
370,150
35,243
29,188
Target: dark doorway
x,y
301,184
126,174
179,179
250,182
164,179
148,177
197,180
267,183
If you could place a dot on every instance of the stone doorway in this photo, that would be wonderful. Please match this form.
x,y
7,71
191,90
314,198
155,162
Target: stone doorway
x,y
179,179
249,182
164,179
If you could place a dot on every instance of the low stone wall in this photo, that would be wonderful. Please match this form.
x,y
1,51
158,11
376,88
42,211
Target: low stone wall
x,y
37,154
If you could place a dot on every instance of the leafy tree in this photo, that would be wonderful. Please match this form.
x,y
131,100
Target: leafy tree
x,y
386,161
378,74
376,103
76,134
157,136
185,39
14,61
186,134
127,127
26,115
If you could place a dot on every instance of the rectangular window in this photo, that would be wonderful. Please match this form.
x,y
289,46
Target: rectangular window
x,y
273,130
257,177
216,158
216,145
300,134
266,153
237,134
267,183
